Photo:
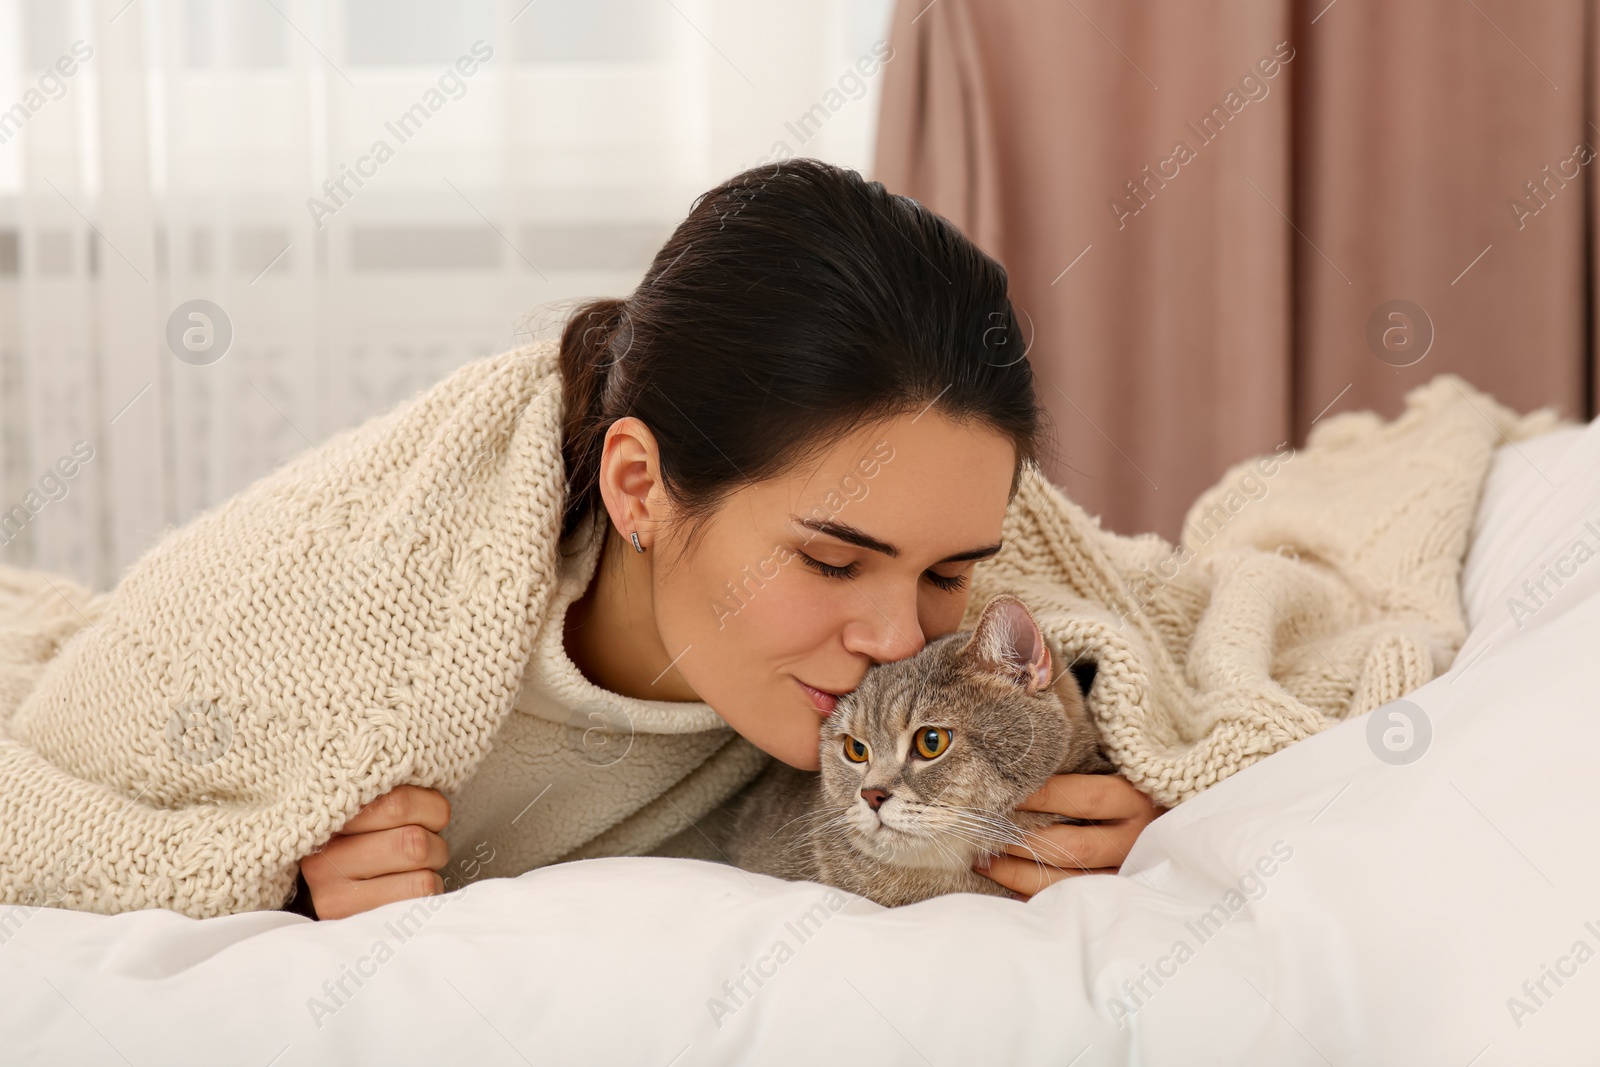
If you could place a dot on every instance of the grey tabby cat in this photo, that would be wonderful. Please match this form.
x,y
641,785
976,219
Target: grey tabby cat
x,y
922,765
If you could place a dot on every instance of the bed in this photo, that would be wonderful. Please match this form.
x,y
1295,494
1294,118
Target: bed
x,y
1416,885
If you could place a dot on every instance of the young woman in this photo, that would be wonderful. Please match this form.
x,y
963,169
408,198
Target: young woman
x,y
819,383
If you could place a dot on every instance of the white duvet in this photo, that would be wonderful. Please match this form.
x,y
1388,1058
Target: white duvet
x,y
1417,886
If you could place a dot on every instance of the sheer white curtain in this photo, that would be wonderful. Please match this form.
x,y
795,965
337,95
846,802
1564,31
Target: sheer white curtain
x,y
229,228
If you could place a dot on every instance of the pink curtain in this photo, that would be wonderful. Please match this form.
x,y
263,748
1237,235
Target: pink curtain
x,y
1225,220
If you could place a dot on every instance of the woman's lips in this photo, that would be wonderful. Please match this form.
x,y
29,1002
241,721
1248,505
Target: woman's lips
x,y
823,702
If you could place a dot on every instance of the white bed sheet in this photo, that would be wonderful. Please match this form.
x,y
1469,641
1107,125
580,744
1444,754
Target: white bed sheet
x,y
1406,907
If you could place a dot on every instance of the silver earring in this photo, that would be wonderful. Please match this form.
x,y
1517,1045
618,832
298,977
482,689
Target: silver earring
x,y
637,547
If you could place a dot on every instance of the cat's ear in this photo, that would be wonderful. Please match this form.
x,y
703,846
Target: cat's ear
x,y
1008,642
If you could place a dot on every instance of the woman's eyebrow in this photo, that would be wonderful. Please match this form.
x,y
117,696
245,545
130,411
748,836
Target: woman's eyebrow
x,y
845,532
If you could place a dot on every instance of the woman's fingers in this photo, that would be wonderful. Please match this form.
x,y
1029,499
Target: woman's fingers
x,y
1026,877
342,899
401,805
354,857
1091,796
389,850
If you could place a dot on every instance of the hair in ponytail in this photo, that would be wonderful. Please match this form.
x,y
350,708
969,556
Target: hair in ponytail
x,y
795,303
586,363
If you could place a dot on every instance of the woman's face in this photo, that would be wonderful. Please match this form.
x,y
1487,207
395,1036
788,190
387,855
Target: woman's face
x,y
815,576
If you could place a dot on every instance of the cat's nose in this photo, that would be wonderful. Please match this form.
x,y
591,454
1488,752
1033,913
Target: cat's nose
x,y
874,797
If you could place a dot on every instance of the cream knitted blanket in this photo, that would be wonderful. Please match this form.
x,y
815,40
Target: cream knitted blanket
x,y
361,618
357,619
1308,586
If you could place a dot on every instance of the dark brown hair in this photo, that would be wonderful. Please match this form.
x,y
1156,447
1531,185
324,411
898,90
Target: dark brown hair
x,y
796,303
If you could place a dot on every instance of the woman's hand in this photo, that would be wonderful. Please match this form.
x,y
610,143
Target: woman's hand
x,y
391,850
1118,810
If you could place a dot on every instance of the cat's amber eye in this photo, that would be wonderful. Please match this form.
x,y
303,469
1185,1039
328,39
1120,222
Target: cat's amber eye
x,y
855,751
932,741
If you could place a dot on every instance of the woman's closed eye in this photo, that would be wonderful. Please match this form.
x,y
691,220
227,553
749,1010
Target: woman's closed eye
x,y
949,583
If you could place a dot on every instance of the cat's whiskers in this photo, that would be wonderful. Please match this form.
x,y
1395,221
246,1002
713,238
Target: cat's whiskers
x,y
988,824
983,846
837,827
987,847
944,824
935,827
983,829
940,827
1021,838
815,813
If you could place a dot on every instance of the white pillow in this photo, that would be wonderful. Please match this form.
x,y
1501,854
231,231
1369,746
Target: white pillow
x,y
1537,496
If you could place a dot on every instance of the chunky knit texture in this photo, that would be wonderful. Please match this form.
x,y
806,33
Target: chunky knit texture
x,y
360,618
1308,586
365,616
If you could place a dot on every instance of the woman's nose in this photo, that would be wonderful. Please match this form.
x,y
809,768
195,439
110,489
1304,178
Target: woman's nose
x,y
886,632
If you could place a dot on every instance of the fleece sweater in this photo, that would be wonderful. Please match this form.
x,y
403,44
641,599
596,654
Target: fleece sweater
x,y
386,608
657,765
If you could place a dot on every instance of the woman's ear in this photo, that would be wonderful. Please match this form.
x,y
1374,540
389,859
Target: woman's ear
x,y
630,478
